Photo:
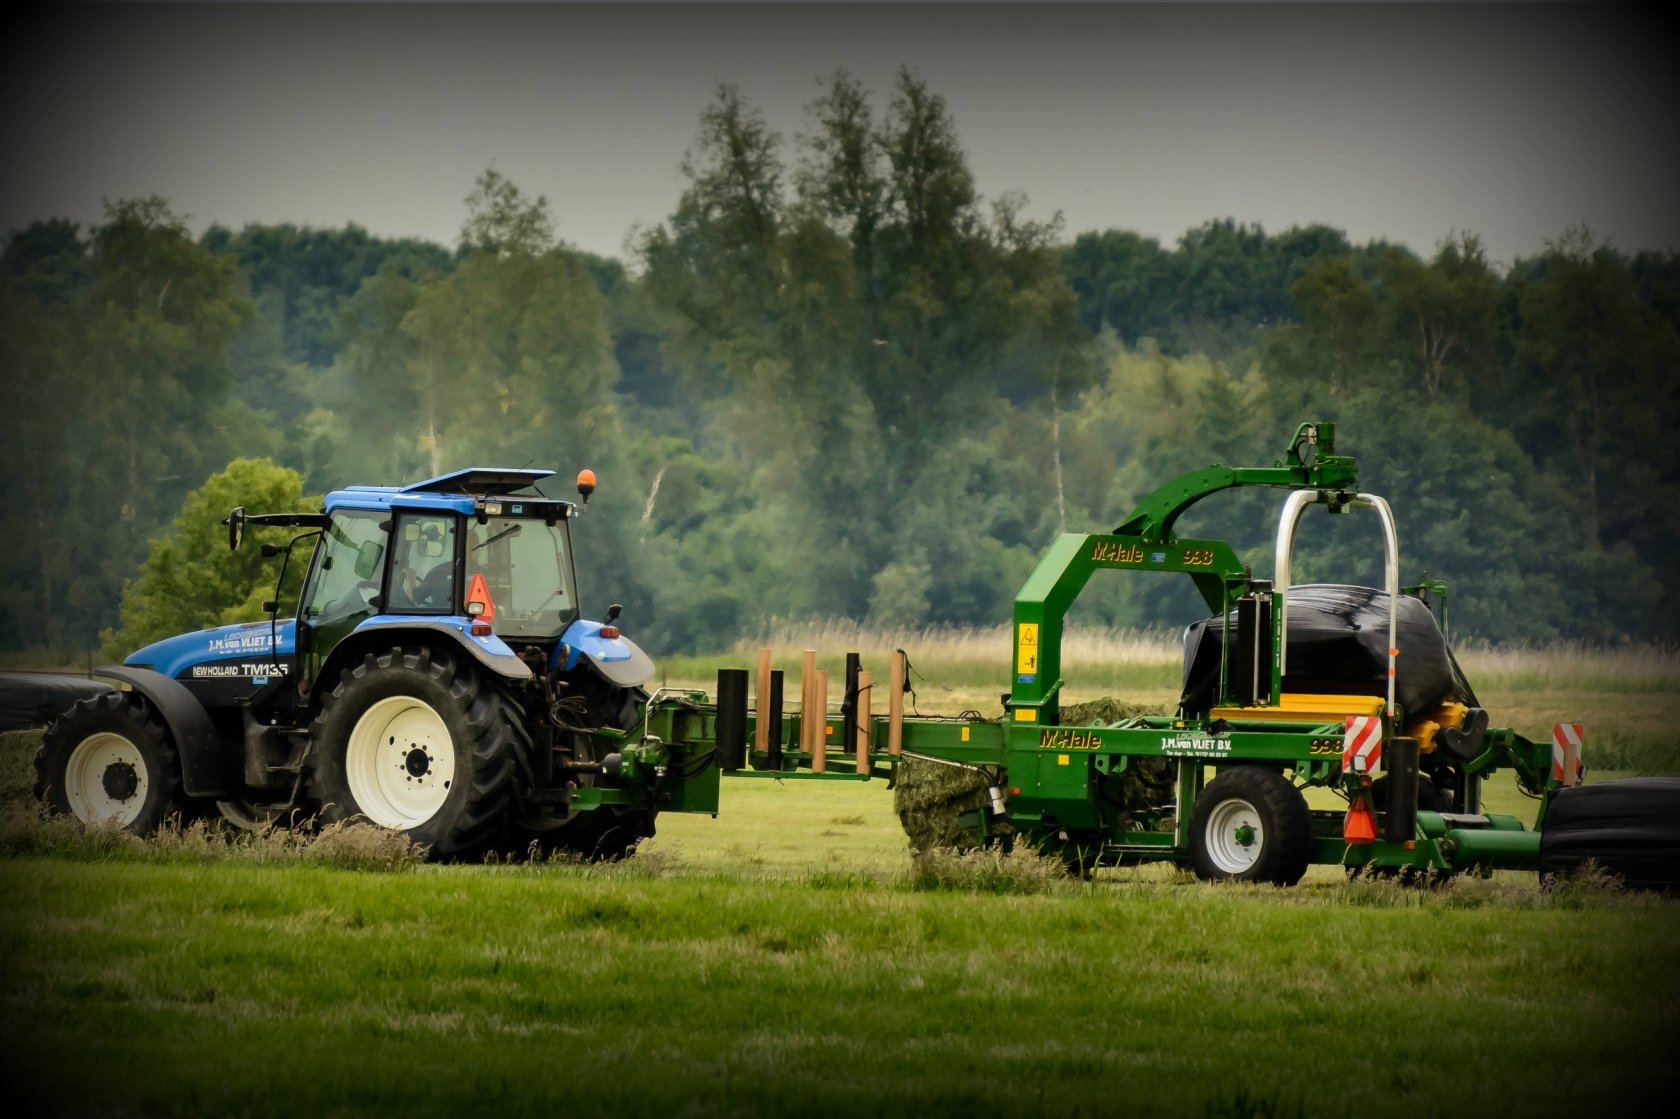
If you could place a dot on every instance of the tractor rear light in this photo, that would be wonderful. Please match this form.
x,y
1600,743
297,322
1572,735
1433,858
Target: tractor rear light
x,y
482,629
609,632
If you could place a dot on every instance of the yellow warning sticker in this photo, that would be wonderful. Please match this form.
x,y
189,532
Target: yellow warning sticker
x,y
1061,759
1026,647
965,734
1026,714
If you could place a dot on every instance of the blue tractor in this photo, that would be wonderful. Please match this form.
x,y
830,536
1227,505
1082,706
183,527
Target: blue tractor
x,y
438,679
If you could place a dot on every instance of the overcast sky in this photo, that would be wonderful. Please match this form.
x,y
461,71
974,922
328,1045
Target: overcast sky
x,y
1404,122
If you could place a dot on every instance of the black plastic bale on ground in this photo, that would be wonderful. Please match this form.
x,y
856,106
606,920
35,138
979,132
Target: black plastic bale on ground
x,y
1630,828
34,699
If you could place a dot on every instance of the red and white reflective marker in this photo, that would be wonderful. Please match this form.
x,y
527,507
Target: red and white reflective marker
x,y
1362,745
1566,753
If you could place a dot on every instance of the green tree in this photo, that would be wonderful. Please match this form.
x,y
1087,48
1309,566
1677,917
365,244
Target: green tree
x,y
1442,316
41,378
1335,345
164,311
118,392
1596,365
1051,344
191,580
299,277
501,220
1123,281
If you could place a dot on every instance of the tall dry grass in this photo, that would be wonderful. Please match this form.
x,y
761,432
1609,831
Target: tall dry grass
x,y
27,829
979,656
953,667
1572,665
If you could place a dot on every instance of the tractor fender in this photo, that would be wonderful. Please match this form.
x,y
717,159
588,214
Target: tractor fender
x,y
490,652
207,770
618,659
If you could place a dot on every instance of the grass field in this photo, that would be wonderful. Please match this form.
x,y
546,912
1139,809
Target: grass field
x,y
788,958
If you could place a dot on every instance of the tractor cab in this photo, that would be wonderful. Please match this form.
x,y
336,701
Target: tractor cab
x,y
469,555
462,552
465,552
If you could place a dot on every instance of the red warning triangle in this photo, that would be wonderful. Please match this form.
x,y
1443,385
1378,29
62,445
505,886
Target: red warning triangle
x,y
1360,825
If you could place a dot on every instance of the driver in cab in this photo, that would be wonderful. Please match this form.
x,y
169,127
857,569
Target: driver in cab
x,y
424,578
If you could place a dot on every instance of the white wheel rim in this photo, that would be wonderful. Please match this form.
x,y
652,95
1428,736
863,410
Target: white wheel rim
x,y
400,762
106,780
1234,835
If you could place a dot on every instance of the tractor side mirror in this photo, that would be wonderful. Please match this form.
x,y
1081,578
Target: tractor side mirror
x,y
613,612
236,528
368,557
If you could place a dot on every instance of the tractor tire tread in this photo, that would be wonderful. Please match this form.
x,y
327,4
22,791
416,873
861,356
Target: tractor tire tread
x,y
149,734
492,720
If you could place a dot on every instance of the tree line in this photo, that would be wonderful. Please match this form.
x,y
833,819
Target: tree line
x,y
838,380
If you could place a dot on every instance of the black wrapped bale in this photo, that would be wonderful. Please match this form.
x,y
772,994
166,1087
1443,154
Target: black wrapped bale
x,y
34,699
1338,645
1630,827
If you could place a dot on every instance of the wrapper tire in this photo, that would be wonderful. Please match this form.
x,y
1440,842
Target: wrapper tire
x,y
1283,839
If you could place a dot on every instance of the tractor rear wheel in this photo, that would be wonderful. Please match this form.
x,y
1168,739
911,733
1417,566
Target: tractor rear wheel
x,y
1251,825
109,759
417,740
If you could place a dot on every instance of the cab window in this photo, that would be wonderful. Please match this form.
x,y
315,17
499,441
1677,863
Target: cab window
x,y
352,559
423,568
527,570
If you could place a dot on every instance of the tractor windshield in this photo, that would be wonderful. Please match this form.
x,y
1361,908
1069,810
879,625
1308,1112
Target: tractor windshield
x,y
527,567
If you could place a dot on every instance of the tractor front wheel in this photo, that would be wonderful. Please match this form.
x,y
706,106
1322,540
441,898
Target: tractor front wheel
x,y
1251,825
418,741
109,759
